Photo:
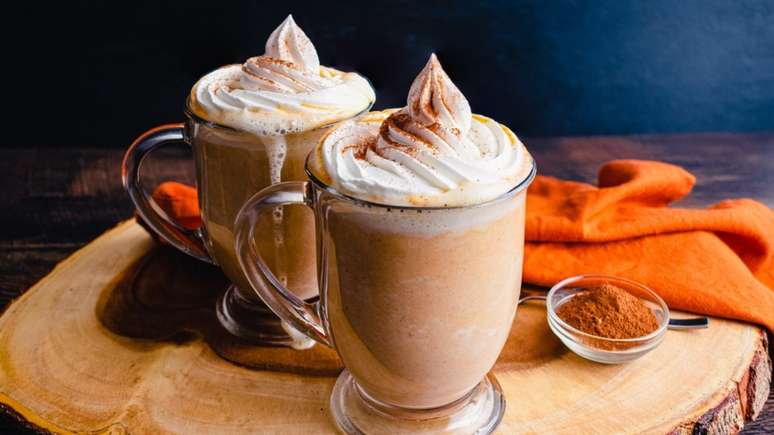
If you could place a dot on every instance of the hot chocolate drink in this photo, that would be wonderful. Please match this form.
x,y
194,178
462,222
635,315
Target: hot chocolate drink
x,y
420,234
278,106
251,126
420,301
231,167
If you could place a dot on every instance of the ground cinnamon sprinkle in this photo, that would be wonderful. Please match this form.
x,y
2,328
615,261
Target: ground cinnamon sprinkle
x,y
608,311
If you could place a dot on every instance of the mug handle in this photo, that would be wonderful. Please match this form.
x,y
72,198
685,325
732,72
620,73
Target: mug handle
x,y
301,315
188,241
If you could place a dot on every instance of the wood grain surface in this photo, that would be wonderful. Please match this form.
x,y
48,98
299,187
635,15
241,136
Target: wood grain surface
x,y
56,200
121,338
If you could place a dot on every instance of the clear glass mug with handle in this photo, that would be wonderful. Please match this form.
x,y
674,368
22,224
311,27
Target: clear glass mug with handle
x,y
231,165
418,303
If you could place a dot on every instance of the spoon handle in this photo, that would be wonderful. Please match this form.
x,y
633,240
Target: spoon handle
x,y
693,323
532,298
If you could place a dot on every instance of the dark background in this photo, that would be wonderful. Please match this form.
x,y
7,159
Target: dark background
x,y
545,68
96,74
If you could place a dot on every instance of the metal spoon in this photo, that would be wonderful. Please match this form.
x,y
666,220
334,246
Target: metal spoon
x,y
676,324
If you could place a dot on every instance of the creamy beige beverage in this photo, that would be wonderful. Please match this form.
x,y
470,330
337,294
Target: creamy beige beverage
x,y
270,112
420,305
231,166
422,290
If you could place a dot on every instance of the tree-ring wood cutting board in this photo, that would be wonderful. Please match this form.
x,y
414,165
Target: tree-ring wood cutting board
x,y
121,338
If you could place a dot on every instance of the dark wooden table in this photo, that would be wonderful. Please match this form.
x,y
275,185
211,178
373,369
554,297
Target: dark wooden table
x,y
53,201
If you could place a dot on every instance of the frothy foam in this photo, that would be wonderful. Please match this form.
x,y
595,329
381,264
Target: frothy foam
x,y
429,223
276,151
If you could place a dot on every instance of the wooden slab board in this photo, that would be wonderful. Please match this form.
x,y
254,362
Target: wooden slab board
x,y
121,338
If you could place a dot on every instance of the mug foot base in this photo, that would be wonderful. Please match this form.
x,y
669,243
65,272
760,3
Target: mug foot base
x,y
479,412
255,322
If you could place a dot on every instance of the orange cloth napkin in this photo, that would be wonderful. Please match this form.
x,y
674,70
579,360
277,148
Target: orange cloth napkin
x,y
718,261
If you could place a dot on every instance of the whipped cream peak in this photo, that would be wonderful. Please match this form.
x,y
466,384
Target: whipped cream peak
x,y
434,99
290,64
436,118
289,43
283,91
434,152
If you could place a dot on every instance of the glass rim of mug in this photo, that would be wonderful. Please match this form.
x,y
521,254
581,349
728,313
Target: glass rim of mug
x,y
520,186
199,120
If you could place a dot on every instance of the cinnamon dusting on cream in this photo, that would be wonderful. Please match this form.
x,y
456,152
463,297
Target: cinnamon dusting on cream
x,y
436,112
285,90
432,152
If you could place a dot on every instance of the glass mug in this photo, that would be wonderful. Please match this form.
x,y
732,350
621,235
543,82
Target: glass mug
x,y
232,165
418,303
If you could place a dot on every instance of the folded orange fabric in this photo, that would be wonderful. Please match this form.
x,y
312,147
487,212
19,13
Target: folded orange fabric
x,y
718,261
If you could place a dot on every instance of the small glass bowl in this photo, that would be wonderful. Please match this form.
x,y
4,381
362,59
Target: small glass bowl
x,y
601,349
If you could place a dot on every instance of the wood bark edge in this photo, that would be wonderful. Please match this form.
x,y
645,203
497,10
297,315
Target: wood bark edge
x,y
744,399
14,417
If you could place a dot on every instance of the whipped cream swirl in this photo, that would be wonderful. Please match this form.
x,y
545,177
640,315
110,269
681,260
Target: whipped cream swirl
x,y
283,91
433,152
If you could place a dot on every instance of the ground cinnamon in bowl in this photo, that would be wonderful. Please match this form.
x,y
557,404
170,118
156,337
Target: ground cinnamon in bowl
x,y
608,311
